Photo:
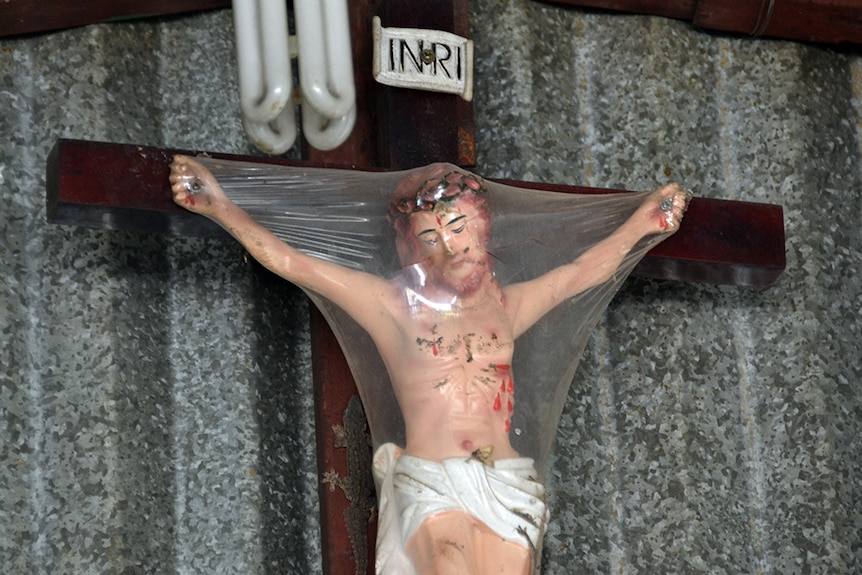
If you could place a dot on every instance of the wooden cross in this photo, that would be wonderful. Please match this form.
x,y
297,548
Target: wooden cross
x,y
125,187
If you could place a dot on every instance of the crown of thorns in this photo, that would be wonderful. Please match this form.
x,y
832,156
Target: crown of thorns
x,y
435,192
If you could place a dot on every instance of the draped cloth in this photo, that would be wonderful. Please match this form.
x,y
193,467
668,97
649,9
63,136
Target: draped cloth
x,y
505,497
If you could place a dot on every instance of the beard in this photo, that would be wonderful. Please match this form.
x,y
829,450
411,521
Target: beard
x,y
470,283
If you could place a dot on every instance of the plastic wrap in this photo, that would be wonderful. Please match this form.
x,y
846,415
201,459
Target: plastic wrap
x,y
345,217
463,308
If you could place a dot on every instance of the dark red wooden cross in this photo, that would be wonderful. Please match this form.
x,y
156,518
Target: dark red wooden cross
x,y
125,187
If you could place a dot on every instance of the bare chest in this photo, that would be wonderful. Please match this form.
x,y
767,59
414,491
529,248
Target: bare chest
x,y
472,340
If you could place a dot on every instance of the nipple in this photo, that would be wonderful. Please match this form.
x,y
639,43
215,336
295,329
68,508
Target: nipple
x,y
467,445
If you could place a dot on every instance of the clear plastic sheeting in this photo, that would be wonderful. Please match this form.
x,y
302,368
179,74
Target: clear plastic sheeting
x,y
346,217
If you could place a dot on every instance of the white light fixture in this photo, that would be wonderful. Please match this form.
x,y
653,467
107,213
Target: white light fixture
x,y
264,51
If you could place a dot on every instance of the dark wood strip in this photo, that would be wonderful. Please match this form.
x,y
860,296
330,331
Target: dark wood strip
x,y
30,16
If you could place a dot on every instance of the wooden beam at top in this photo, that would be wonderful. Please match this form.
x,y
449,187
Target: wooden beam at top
x,y
830,21
30,16
823,21
125,187
424,127
678,9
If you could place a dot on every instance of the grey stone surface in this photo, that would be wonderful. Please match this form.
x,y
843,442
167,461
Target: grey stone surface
x,y
155,394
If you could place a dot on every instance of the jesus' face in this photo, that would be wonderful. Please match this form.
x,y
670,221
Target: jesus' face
x,y
451,246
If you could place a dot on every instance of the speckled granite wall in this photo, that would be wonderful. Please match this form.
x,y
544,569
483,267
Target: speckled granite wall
x,y
155,393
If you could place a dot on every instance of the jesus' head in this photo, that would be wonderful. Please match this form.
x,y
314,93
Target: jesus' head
x,y
442,223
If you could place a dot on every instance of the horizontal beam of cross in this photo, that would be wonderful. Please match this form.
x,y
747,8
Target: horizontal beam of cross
x,y
125,187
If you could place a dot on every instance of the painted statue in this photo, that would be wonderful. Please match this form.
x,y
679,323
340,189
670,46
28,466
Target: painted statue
x,y
459,487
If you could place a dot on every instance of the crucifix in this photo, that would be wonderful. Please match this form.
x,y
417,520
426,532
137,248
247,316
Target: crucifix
x,y
718,248
449,224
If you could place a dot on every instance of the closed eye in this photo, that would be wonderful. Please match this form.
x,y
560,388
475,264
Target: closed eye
x,y
458,224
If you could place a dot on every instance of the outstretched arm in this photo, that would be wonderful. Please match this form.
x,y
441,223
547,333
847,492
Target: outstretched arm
x,y
526,302
360,294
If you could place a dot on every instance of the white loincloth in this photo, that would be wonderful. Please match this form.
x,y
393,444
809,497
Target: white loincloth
x,y
506,497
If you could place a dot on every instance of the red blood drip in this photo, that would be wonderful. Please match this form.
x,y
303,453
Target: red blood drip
x,y
508,425
511,388
663,222
511,408
434,349
498,405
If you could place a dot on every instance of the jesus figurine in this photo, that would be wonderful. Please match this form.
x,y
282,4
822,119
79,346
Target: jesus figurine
x,y
456,497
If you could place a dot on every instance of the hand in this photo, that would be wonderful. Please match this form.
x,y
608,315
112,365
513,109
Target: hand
x,y
664,208
194,187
